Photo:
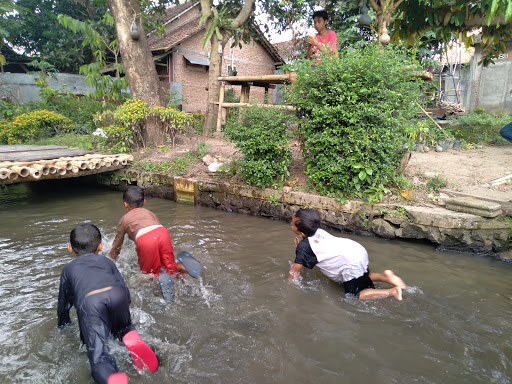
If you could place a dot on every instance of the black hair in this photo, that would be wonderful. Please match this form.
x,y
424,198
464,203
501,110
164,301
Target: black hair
x,y
307,221
85,239
322,13
134,196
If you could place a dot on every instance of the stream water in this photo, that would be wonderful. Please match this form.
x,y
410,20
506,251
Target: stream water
x,y
245,323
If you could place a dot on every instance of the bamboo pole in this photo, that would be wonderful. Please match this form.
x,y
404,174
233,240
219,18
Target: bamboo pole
x,y
221,100
43,168
8,173
63,164
430,117
271,79
34,173
60,171
279,106
22,171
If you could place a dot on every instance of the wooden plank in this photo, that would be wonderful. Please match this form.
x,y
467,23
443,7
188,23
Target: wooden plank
x,y
43,154
501,180
25,148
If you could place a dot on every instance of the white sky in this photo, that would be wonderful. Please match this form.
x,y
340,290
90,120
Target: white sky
x,y
275,37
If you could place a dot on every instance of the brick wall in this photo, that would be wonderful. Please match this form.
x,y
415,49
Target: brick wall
x,y
251,59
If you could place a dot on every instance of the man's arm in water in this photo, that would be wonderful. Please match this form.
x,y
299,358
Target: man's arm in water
x,y
294,272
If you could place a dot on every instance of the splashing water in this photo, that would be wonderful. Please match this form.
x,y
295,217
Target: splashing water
x,y
204,292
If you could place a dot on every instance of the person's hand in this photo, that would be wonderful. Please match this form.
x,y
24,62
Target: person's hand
x,y
312,40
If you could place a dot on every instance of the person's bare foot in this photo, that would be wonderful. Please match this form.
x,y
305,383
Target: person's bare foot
x,y
395,280
397,292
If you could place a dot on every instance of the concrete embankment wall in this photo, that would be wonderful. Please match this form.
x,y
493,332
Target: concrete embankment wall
x,y
449,230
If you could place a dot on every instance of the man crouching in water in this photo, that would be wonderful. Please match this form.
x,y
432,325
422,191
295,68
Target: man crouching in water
x,y
93,284
342,260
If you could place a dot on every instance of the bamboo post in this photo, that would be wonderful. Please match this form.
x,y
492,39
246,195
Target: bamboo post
x,y
244,96
221,100
430,117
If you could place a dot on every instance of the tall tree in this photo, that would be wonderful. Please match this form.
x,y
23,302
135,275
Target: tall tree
x,y
414,18
138,63
221,24
7,7
38,32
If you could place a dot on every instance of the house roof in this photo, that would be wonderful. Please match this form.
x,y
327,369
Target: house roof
x,y
173,12
190,27
457,53
175,36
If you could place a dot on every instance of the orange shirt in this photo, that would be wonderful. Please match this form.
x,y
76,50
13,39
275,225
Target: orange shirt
x,y
329,41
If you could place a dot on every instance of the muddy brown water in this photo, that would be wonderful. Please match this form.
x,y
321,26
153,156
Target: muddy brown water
x,y
248,325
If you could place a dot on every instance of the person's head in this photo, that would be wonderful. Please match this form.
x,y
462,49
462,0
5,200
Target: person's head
x,y
305,222
133,197
320,20
85,238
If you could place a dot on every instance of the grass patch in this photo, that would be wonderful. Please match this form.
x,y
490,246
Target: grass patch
x,y
480,127
178,166
73,140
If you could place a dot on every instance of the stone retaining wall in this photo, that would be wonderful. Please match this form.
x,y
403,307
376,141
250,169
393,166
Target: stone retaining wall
x,y
448,229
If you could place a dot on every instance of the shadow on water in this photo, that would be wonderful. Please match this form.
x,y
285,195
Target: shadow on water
x,y
247,324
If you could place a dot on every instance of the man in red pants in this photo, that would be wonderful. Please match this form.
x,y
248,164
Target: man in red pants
x,y
154,245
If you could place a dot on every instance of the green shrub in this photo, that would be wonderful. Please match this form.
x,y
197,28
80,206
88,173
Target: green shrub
x,y
436,183
33,125
9,110
80,110
261,134
174,121
196,123
123,127
355,110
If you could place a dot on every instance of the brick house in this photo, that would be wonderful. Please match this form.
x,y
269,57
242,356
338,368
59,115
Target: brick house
x,y
182,63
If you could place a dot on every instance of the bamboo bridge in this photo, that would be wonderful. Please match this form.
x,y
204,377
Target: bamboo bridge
x,y
24,163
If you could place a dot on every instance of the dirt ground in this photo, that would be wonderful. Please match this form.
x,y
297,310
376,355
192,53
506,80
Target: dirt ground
x,y
469,172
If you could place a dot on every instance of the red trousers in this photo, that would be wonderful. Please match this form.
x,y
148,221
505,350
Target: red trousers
x,y
155,250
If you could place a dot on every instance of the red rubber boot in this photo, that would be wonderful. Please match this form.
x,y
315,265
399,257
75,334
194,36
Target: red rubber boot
x,y
143,356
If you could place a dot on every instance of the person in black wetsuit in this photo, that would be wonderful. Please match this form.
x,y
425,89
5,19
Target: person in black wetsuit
x,y
93,284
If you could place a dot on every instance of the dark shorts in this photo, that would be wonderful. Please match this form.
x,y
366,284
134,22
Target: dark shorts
x,y
100,315
355,286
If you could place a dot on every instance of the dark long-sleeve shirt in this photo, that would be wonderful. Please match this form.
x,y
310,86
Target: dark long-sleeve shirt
x,y
82,275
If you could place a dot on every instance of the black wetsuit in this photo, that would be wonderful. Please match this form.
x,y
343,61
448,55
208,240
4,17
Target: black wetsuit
x,y
100,314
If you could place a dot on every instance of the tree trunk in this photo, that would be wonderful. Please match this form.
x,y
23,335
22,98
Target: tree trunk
x,y
139,66
216,59
213,86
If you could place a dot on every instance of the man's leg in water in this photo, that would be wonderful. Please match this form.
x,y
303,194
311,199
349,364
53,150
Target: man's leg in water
x,y
369,294
388,277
